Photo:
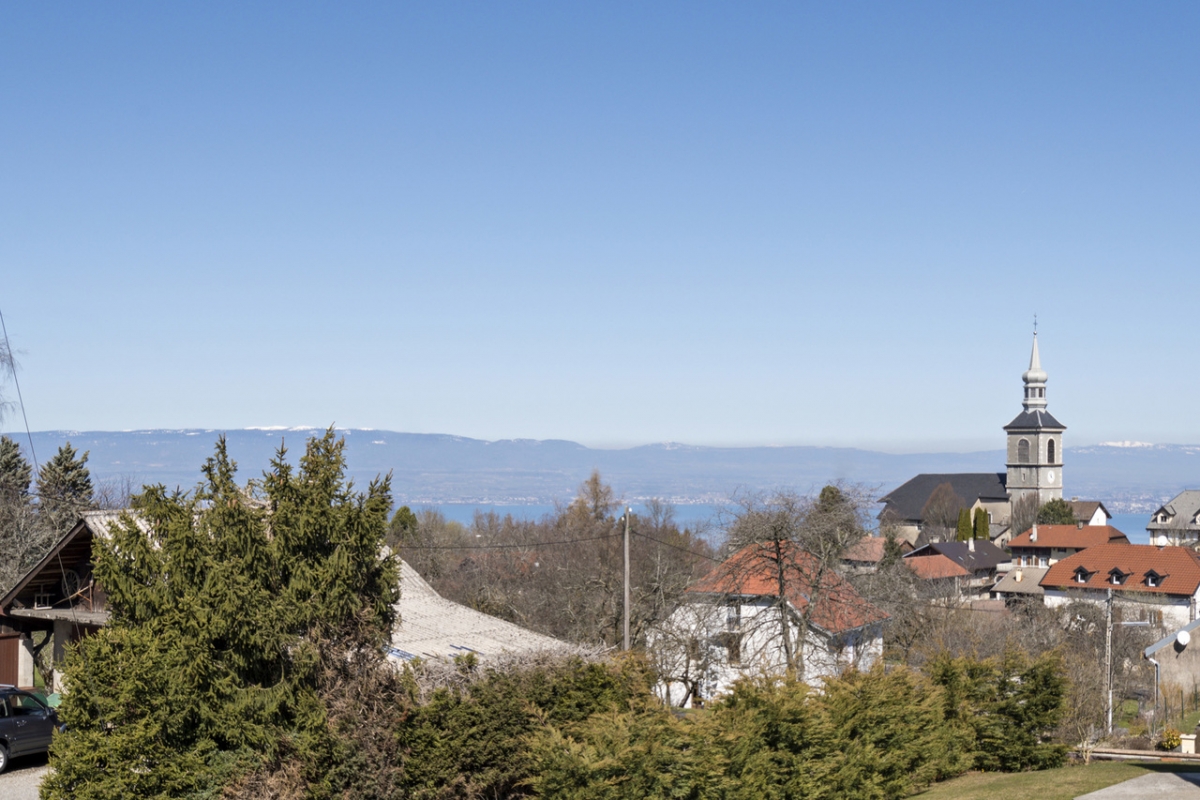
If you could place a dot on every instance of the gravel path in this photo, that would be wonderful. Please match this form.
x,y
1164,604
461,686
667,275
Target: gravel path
x,y
23,777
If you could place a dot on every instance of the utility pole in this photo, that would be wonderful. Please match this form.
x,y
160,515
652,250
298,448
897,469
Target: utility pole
x,y
628,512
1108,676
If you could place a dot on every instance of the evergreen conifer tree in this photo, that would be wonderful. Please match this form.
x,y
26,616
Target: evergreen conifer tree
x,y
965,531
64,488
892,553
982,527
1056,512
15,472
225,606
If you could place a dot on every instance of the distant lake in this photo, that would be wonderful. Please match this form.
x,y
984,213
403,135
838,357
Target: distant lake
x,y
1133,526
691,516
686,516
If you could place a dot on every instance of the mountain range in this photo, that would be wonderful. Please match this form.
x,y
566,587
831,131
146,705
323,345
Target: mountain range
x,y
440,469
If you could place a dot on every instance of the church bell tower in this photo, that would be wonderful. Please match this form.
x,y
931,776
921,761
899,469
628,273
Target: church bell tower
x,y
1035,441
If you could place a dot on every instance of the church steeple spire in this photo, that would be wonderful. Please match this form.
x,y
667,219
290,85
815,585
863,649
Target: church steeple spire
x,y
1035,380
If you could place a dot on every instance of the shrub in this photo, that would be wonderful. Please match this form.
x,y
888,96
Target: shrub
x,y
1169,739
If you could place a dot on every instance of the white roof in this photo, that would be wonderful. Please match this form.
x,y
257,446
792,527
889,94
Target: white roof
x,y
430,626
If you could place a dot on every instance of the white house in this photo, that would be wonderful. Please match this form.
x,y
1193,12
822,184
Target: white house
x,y
1160,585
763,608
1177,522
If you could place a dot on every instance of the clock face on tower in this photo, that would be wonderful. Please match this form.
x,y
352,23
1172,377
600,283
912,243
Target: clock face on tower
x,y
1050,476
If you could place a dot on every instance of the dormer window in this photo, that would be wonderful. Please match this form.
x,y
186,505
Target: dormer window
x,y
1082,575
1116,577
1153,579
1163,516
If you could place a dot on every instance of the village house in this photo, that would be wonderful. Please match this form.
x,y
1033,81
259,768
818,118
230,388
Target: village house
x,y
1020,583
865,554
53,604
1089,512
1046,544
1158,584
1177,522
735,623
972,565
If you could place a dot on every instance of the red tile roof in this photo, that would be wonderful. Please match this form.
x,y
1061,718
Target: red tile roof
x,y
753,571
1177,567
936,566
869,549
1069,537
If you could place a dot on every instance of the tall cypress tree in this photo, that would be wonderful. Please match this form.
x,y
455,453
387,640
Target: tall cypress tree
x,y
983,529
64,488
964,525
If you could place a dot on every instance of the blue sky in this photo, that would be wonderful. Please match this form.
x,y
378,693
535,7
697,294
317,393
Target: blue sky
x,y
617,223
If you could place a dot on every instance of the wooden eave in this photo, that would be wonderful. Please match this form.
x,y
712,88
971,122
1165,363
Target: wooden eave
x,y
51,559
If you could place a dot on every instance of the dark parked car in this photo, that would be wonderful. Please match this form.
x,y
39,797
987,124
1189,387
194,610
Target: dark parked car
x,y
26,724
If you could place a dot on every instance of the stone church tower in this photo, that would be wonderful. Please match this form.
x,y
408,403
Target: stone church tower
x,y
1035,441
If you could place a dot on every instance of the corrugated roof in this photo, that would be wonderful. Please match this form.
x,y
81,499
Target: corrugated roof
x,y
1177,567
430,626
753,572
936,566
1069,537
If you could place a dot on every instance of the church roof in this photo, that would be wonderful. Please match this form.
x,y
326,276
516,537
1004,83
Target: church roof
x,y
908,500
1037,418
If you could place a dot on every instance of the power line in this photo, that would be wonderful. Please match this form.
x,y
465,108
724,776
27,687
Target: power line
x,y
676,546
17,382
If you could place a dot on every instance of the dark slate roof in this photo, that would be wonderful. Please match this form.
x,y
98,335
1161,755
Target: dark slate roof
x,y
907,501
1027,420
985,556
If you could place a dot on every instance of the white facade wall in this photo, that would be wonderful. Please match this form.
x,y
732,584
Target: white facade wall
x,y
1175,610
718,643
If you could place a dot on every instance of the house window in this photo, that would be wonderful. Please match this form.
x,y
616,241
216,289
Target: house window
x,y
1116,577
1081,575
1153,578
1023,451
1041,561
1050,451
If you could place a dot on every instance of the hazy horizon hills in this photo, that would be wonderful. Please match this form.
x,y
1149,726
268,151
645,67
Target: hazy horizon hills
x,y
443,468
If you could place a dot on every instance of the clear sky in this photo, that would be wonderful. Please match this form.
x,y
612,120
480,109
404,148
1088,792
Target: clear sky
x,y
715,223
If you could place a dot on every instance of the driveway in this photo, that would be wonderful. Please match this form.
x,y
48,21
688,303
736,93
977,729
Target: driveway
x,y
1152,786
23,777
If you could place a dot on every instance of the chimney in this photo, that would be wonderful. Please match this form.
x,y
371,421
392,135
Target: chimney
x,y
971,544
1079,524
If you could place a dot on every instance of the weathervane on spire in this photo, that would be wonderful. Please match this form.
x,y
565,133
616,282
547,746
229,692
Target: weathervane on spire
x,y
1035,323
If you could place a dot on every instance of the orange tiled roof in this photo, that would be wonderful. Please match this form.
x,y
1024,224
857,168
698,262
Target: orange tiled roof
x,y
936,566
870,549
1069,537
1177,567
753,571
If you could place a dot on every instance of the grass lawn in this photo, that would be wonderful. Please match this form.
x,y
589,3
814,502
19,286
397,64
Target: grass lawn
x,y
1052,784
